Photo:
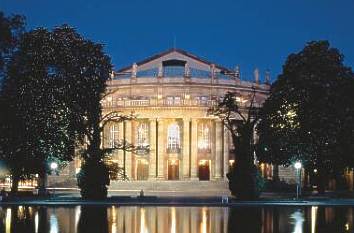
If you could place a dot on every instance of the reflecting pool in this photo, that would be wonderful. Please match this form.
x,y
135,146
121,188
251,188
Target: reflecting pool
x,y
137,219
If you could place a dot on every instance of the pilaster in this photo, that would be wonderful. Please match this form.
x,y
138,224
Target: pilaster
x,y
186,148
194,150
226,151
129,156
152,141
161,148
218,148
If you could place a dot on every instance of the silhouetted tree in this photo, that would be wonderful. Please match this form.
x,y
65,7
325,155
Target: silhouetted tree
x,y
245,181
53,91
11,28
309,115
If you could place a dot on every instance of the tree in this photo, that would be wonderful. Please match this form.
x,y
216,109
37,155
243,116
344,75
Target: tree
x,y
35,116
53,90
309,115
11,28
240,119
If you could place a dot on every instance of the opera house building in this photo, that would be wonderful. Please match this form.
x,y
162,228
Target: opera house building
x,y
170,94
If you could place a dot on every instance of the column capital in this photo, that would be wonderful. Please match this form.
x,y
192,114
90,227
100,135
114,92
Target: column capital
x,y
218,120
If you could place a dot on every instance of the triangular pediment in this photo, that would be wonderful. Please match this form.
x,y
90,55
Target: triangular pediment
x,y
174,56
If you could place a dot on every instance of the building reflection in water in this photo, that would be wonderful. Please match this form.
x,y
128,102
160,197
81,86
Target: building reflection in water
x,y
133,219
297,220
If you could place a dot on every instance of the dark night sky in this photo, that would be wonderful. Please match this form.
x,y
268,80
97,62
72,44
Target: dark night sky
x,y
251,33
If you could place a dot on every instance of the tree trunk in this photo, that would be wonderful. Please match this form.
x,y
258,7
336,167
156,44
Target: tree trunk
x,y
321,180
276,173
14,185
42,183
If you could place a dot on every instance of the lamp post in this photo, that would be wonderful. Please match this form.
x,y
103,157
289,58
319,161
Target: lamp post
x,y
298,166
53,167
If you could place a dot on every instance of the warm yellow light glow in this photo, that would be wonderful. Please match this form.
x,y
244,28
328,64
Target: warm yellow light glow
x,y
231,162
203,224
173,220
77,216
241,100
36,219
313,218
8,220
187,96
203,162
159,96
173,162
143,227
346,226
114,220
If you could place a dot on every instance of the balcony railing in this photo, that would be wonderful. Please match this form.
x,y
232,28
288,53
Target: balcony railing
x,y
158,102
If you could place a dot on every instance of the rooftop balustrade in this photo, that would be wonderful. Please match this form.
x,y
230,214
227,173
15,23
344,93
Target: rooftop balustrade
x,y
164,103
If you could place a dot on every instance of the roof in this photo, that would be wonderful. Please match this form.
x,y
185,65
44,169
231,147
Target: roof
x,y
183,52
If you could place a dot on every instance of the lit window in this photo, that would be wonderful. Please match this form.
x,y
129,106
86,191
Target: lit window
x,y
142,137
204,137
173,138
113,136
173,100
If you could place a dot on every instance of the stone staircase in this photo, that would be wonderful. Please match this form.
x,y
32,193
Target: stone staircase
x,y
202,188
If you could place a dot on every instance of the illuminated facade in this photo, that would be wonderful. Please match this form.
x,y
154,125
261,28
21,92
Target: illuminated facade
x,y
170,94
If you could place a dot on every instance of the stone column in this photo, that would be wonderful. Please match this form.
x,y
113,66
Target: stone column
x,y
161,149
226,151
218,148
129,155
152,141
120,138
194,150
186,147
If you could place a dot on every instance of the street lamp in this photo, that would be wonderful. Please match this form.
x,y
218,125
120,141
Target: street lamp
x,y
53,166
298,166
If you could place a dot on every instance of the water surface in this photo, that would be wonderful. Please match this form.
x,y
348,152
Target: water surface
x,y
134,219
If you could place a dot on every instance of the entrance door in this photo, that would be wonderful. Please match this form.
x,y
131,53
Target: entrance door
x,y
173,167
142,170
204,171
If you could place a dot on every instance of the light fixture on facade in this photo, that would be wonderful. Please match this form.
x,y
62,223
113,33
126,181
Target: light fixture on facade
x,y
203,162
231,162
173,162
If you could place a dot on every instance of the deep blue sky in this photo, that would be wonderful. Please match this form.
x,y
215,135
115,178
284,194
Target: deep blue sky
x,y
250,33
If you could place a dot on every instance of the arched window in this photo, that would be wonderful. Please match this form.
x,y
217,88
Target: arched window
x,y
173,139
204,137
142,137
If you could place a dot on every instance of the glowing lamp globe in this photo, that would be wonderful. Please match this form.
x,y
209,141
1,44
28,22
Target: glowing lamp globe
x,y
53,165
298,165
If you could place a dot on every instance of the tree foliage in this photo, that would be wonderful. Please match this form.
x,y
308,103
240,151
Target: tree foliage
x,y
240,117
11,27
309,115
52,93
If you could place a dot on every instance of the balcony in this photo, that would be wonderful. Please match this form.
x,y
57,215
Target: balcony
x,y
164,102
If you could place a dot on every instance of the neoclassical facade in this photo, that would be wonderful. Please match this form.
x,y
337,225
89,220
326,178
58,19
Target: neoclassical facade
x,y
170,94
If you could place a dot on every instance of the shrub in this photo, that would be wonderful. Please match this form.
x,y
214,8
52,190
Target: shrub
x,y
245,183
93,180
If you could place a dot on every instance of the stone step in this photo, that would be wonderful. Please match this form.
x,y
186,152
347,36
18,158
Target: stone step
x,y
181,186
